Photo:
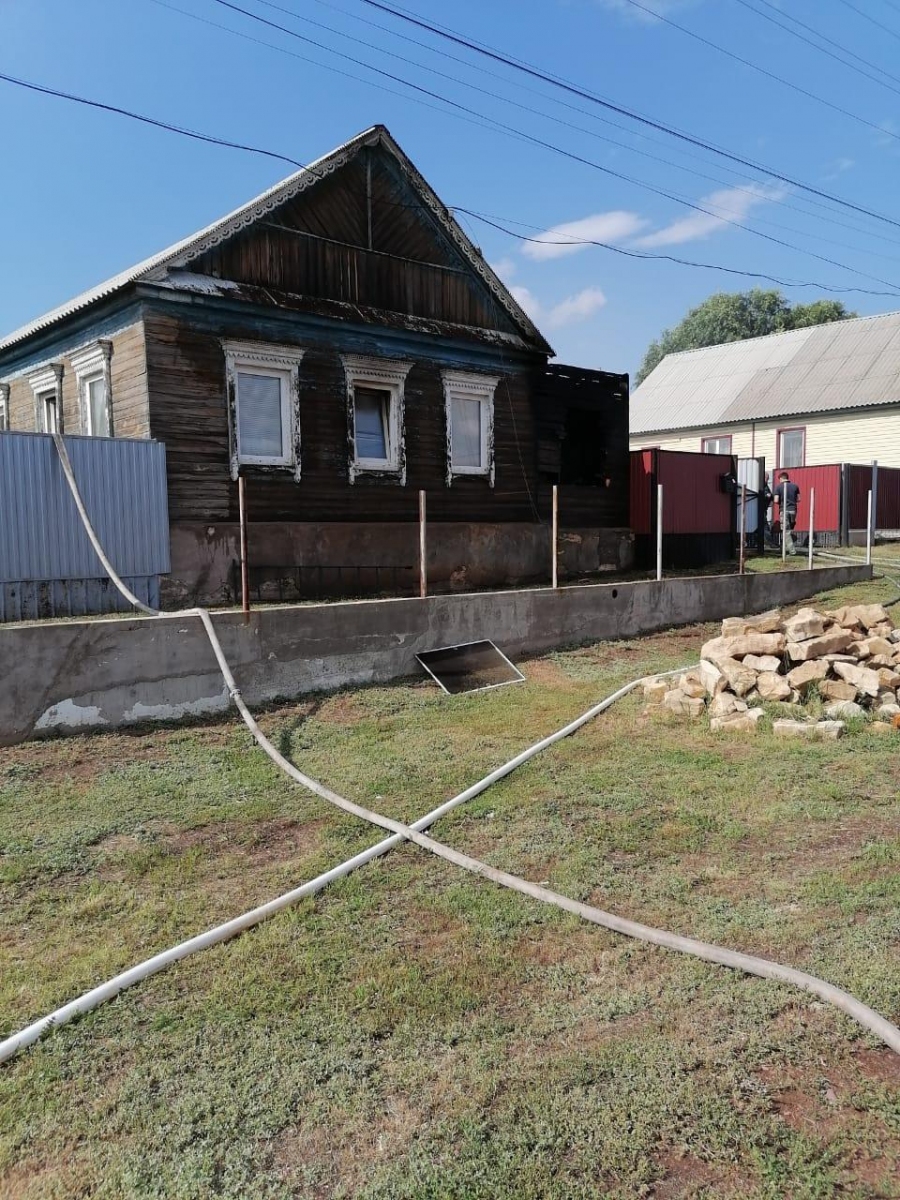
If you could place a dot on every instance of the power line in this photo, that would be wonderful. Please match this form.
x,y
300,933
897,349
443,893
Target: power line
x,y
859,12
495,223
124,112
533,139
749,191
822,50
218,141
576,89
753,66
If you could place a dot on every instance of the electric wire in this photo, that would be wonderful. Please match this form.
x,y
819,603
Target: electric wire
x,y
578,90
223,142
822,49
559,150
796,87
754,192
868,17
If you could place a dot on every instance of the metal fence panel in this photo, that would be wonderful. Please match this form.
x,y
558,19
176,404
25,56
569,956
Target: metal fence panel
x,y
123,483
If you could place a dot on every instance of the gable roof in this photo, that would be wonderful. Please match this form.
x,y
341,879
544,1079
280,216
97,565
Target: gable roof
x,y
823,368
180,255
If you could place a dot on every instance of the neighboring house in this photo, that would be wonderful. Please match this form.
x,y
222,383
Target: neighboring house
x,y
826,394
341,343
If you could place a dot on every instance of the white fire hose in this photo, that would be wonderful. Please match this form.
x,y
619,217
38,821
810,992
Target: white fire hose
x,y
752,965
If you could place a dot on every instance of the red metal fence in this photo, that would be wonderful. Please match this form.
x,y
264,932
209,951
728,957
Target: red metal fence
x,y
698,513
827,482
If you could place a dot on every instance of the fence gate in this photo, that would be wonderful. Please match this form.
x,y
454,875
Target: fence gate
x,y
48,567
698,507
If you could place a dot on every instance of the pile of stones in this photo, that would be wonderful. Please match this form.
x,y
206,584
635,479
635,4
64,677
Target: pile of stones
x,y
849,659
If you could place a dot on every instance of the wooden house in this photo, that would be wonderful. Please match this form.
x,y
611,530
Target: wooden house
x,y
341,343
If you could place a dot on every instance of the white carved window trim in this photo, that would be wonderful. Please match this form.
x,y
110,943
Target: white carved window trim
x,y
387,375
90,364
46,384
283,362
4,407
468,385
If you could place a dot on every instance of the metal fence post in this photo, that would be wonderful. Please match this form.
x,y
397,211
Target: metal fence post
x,y
245,565
742,529
874,521
783,522
869,530
659,531
554,565
423,561
812,523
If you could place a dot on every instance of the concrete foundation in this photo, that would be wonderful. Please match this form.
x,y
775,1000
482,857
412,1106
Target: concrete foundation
x,y
461,556
77,675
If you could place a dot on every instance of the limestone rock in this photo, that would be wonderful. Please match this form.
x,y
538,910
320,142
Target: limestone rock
x,y
837,689
772,686
844,710
712,678
894,636
725,704
740,678
792,729
677,702
807,623
880,645
888,711
767,622
860,649
737,647
867,615
832,642
880,660
762,662
882,727
654,689
883,629
888,679
828,731
738,723
833,658
811,672
691,686
862,678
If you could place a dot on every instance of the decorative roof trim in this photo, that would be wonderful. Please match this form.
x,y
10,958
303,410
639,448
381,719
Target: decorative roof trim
x,y
181,253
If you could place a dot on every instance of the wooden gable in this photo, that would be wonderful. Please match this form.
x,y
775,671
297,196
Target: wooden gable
x,y
361,235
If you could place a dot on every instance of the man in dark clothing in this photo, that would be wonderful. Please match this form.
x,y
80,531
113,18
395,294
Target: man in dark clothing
x,y
788,497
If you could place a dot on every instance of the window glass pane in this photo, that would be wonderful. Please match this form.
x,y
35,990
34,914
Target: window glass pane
x,y
51,423
260,434
371,408
465,432
99,414
720,445
792,448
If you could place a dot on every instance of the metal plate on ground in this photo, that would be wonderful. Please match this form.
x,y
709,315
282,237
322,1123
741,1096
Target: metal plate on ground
x,y
470,667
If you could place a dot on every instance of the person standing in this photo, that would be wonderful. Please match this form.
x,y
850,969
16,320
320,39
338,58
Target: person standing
x,y
788,496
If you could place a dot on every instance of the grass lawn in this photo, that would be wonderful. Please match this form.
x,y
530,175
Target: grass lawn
x,y
414,1031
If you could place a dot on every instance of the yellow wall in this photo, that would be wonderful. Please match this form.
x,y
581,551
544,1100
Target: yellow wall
x,y
830,438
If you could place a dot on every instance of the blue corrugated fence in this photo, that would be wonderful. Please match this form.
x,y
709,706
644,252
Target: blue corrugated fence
x,y
47,565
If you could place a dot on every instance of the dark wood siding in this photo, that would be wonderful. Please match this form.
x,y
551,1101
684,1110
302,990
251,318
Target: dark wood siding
x,y
567,399
186,370
323,244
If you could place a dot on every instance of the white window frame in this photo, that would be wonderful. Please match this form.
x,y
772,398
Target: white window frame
x,y
46,384
716,437
469,385
4,407
281,362
385,375
92,363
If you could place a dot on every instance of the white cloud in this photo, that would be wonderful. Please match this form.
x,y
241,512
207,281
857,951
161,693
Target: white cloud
x,y
576,308
730,204
527,300
505,268
570,237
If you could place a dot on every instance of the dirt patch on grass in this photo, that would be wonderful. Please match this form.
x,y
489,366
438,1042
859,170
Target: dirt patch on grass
x,y
686,1175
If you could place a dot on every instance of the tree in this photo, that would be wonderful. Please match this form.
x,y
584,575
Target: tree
x,y
733,316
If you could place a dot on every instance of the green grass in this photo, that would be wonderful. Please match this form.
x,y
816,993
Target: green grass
x,y
414,1032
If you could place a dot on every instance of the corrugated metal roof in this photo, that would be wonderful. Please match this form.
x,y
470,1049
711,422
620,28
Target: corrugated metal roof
x,y
824,368
181,253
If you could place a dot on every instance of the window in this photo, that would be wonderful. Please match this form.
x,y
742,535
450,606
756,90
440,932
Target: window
x,y
4,407
263,404
92,373
791,447
375,410
47,387
469,403
717,445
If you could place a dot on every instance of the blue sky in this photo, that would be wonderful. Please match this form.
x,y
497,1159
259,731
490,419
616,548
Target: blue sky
x,y
86,194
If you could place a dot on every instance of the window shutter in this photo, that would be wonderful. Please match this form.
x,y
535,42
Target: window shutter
x,y
260,431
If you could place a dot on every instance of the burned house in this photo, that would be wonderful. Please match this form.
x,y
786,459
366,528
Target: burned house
x,y
341,344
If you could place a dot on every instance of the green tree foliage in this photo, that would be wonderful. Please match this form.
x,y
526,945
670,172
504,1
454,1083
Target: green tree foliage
x,y
733,316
